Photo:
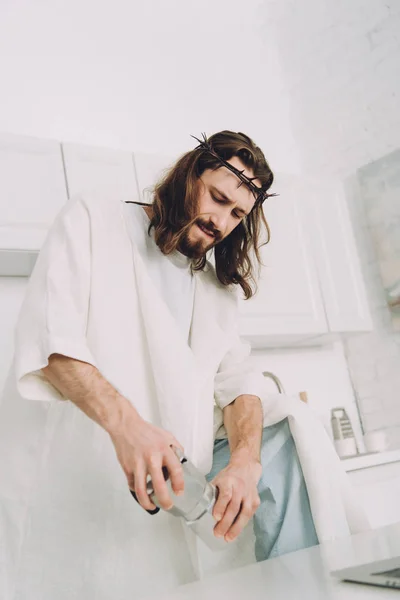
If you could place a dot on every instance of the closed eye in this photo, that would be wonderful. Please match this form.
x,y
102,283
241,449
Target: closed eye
x,y
219,201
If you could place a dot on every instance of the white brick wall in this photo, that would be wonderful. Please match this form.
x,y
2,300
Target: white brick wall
x,y
341,62
341,65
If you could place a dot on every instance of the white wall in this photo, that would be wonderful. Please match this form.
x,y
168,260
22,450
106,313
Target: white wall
x,y
142,75
341,65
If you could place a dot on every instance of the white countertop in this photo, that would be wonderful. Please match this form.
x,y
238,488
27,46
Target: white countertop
x,y
302,575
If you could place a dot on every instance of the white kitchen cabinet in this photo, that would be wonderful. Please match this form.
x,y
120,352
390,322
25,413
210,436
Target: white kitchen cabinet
x,y
101,169
288,303
32,191
336,258
378,489
149,168
311,284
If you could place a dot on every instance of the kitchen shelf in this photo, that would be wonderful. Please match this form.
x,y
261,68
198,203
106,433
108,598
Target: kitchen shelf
x,y
370,459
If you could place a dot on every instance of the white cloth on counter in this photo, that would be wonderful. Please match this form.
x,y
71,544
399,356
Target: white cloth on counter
x,y
334,505
69,526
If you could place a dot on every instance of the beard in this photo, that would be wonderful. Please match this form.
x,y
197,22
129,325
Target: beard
x,y
192,249
199,249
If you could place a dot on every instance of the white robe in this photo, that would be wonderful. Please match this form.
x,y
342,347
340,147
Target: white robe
x,y
69,526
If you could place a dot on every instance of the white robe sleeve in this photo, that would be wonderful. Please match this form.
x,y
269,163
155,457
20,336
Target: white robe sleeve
x,y
53,316
236,374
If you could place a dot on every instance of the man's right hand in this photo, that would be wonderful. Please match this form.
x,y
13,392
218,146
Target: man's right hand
x,y
143,449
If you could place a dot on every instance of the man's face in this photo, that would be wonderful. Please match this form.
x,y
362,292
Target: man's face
x,y
222,205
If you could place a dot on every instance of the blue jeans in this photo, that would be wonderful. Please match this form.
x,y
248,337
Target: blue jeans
x,y
283,521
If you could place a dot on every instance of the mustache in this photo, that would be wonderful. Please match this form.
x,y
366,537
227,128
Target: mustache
x,y
208,225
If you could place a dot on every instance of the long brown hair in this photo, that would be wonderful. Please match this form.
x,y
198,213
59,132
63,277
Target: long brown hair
x,y
175,209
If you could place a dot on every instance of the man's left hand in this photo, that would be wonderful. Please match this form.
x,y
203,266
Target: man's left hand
x,y
238,497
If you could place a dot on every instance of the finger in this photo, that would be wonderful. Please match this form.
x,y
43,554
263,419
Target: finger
x,y
223,499
230,515
159,484
246,513
153,511
175,471
175,444
140,488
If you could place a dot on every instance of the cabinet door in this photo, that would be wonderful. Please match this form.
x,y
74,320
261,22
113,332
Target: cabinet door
x,y
32,190
379,491
100,169
149,168
337,260
288,302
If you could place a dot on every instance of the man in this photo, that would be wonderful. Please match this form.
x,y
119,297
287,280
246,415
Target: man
x,y
125,318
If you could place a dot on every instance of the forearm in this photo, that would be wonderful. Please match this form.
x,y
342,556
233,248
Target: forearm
x,y
141,447
84,385
243,420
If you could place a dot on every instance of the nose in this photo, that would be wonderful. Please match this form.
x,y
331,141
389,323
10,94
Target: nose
x,y
219,222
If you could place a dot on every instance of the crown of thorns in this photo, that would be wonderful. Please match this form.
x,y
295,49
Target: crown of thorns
x,y
260,193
